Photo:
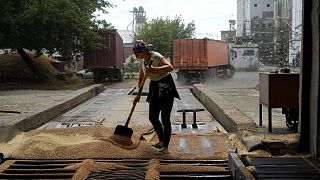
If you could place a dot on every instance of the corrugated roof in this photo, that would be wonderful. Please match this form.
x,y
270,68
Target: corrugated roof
x,y
126,35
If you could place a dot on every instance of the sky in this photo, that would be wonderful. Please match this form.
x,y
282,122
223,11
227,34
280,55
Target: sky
x,y
210,16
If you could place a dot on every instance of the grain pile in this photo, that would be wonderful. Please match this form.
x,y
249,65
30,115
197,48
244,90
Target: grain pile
x,y
75,142
122,141
95,142
242,151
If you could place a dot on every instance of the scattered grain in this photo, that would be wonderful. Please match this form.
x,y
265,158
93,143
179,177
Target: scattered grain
x,y
153,170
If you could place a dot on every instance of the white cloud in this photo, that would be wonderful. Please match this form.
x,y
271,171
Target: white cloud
x,y
210,16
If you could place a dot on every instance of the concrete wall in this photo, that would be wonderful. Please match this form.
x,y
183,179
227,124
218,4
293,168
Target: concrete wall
x,y
261,7
240,61
296,33
309,120
45,114
227,115
314,132
240,17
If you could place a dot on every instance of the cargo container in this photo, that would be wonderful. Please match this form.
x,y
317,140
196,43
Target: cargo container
x,y
201,59
106,62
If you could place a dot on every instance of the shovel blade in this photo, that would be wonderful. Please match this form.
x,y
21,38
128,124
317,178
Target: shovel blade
x,y
124,131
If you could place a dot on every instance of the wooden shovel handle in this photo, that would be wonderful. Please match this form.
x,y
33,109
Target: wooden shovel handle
x,y
138,94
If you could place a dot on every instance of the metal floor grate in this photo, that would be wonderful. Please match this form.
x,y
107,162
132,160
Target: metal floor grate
x,y
54,169
125,169
188,173
132,169
283,167
36,169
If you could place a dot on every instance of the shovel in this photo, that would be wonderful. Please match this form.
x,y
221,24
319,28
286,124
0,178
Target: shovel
x,y
125,130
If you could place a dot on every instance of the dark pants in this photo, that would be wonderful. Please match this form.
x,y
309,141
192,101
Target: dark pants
x,y
163,105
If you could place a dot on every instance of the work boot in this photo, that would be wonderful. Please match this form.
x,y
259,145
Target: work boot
x,y
163,151
158,145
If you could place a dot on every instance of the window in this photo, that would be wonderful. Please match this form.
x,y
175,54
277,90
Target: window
x,y
248,52
255,5
268,5
233,54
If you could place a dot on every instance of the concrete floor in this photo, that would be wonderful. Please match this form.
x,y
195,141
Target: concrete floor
x,y
111,107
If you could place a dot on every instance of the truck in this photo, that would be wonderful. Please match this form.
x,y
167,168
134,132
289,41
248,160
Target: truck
x,y
201,60
106,63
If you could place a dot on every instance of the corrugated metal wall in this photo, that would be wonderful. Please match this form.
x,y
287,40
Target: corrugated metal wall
x,y
111,55
199,53
217,53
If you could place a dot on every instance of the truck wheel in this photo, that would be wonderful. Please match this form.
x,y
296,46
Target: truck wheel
x,y
225,73
121,75
178,76
205,77
96,80
292,118
231,72
213,74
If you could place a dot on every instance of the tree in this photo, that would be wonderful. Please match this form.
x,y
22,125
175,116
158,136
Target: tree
x,y
161,33
63,26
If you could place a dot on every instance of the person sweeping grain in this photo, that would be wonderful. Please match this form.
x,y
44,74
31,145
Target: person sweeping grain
x,y
162,91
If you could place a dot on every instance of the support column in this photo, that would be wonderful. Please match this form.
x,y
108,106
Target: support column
x,y
309,121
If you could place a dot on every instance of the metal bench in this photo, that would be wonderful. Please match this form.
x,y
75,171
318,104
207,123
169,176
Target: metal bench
x,y
184,111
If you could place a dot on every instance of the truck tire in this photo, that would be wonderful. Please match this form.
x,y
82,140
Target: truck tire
x,y
96,80
212,74
119,75
179,76
230,72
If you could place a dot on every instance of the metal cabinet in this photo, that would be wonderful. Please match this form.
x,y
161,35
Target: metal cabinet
x,y
278,90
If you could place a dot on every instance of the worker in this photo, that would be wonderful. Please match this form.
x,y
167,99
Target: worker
x,y
162,91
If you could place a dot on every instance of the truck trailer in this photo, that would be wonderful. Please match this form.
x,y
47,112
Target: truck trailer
x,y
106,63
199,60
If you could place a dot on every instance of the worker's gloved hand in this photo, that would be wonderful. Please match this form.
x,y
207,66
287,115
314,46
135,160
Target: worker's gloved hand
x,y
136,99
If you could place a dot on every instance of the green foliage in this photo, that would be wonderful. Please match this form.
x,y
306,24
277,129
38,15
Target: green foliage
x,y
66,26
131,67
161,33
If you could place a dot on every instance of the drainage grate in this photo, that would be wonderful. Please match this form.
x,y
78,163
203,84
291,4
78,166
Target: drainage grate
x,y
77,118
54,169
76,121
121,169
194,169
283,167
132,169
36,169
75,124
